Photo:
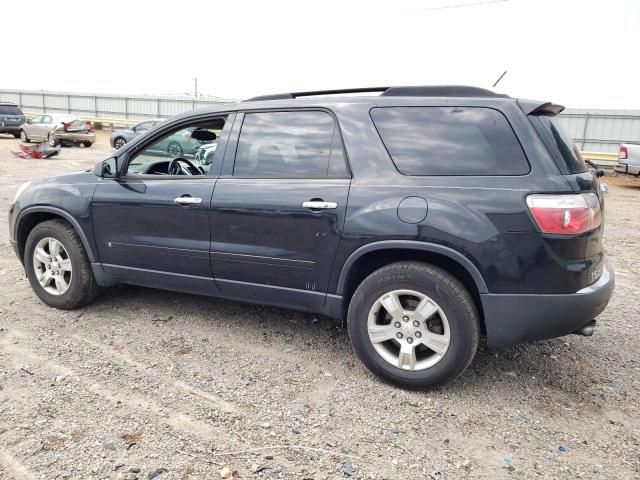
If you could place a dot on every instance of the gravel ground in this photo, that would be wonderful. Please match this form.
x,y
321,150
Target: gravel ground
x,y
150,384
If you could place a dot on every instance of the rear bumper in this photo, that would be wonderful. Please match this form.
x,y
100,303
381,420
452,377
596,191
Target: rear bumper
x,y
76,137
626,168
513,319
10,128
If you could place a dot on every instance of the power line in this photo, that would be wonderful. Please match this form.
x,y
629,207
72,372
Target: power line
x,y
460,5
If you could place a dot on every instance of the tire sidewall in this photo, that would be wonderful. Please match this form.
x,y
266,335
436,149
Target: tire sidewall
x,y
75,287
462,324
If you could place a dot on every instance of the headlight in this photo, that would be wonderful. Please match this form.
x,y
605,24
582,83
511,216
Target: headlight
x,y
21,189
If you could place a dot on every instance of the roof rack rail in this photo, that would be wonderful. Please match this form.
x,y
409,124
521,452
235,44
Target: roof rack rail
x,y
412,91
285,96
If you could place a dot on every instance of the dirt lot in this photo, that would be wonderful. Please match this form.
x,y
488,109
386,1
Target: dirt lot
x,y
149,384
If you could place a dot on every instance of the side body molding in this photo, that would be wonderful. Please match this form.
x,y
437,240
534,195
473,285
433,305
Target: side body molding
x,y
64,214
411,245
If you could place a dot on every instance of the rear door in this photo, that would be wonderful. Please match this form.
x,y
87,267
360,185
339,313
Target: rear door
x,y
278,209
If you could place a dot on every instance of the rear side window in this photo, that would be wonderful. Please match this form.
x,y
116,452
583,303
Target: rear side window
x,y
450,141
10,110
562,146
291,144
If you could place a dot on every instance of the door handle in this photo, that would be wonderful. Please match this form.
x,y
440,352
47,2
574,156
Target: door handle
x,y
187,200
319,205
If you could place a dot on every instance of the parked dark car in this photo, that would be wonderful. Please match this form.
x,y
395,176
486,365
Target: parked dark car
x,y
120,138
11,117
424,217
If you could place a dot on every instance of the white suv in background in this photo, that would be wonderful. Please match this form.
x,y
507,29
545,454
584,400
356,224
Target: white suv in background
x,y
628,159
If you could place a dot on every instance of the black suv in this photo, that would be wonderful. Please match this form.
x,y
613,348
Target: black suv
x,y
11,118
425,217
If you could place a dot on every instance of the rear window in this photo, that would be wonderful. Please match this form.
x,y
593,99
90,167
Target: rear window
x,y
562,145
450,141
10,110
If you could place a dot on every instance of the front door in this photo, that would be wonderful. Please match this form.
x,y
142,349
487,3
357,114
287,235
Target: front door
x,y
151,224
279,207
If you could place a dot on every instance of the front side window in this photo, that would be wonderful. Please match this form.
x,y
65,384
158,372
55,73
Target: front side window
x,y
187,151
450,141
291,144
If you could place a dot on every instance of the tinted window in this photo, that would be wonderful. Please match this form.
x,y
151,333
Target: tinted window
x,y
564,146
289,145
10,110
450,141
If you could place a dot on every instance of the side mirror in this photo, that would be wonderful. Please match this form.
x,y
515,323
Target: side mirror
x,y
106,168
203,135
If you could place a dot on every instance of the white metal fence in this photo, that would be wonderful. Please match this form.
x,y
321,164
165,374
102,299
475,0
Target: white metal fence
x,y
592,130
107,106
601,130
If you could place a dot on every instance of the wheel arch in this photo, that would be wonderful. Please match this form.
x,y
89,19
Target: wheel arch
x,y
33,216
368,258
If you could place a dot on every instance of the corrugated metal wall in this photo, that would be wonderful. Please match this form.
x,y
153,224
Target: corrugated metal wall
x,y
592,129
128,107
601,130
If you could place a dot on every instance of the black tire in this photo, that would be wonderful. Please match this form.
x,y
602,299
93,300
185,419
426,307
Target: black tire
x,y
86,144
16,135
82,286
174,149
119,142
454,300
52,141
24,137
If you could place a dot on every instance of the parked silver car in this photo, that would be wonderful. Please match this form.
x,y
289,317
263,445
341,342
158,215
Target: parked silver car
x,y
119,138
628,159
57,129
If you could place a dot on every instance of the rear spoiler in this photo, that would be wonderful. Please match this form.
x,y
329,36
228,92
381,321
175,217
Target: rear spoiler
x,y
536,107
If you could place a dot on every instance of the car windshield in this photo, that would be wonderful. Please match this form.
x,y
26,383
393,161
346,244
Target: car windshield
x,y
10,110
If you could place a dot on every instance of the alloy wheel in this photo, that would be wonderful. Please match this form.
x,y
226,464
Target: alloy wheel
x,y
408,329
52,266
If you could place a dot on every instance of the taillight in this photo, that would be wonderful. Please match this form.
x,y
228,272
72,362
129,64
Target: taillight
x,y
622,154
91,127
565,214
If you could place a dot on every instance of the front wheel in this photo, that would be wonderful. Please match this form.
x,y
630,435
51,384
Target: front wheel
x,y
414,325
57,266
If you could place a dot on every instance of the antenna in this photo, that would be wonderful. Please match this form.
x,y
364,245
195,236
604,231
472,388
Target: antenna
x,y
499,78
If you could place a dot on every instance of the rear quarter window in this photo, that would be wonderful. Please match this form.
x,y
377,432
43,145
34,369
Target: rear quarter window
x,y
450,141
561,145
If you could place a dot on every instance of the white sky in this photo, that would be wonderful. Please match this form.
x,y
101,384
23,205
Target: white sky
x,y
577,53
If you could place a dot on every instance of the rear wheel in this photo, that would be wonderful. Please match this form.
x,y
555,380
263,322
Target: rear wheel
x,y
23,136
86,144
57,266
16,135
52,140
175,149
413,325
